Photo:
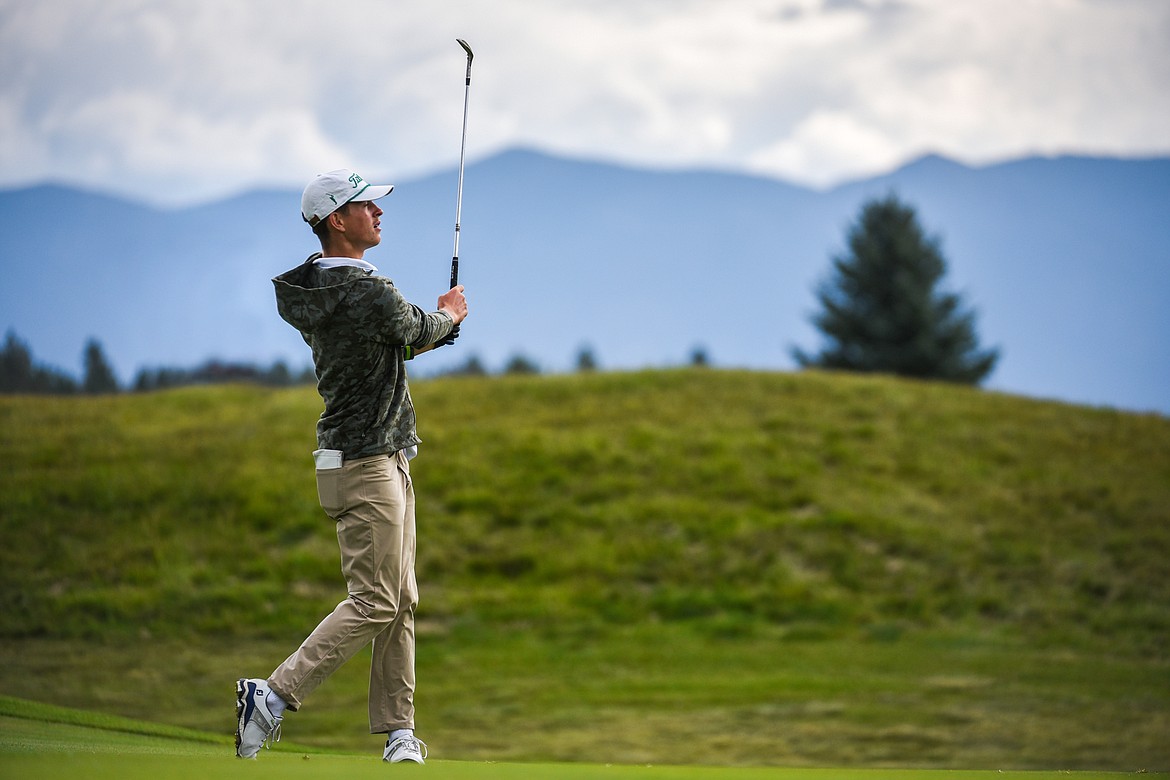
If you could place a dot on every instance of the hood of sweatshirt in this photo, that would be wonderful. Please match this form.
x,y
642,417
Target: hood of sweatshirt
x,y
308,295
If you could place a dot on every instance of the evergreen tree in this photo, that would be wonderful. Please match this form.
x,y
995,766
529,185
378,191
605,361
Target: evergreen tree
x,y
99,376
520,364
278,375
699,358
16,366
881,311
20,374
586,360
472,367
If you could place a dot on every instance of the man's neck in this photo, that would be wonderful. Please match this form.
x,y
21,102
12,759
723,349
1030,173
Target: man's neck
x,y
341,249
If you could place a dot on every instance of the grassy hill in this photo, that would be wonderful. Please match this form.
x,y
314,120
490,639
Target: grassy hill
x,y
665,566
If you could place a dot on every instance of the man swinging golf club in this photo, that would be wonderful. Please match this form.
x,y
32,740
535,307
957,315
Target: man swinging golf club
x,y
362,332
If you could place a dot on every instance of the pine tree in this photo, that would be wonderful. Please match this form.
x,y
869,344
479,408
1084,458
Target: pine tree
x,y
99,376
20,374
881,311
16,365
586,360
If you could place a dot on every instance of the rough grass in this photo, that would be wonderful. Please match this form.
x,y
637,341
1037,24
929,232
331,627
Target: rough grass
x,y
728,567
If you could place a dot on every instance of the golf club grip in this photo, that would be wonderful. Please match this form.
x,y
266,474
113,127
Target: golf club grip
x,y
454,272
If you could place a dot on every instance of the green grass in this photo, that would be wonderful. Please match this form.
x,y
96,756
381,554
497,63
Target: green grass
x,y
654,567
48,743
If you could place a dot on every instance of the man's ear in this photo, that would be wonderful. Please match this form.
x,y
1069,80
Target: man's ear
x,y
337,221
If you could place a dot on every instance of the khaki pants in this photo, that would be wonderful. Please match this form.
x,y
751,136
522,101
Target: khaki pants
x,y
372,500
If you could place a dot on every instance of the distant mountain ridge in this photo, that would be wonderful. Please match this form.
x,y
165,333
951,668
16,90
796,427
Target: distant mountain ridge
x,y
1066,261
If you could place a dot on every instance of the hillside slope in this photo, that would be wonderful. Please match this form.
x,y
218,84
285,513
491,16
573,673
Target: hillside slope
x,y
808,500
683,566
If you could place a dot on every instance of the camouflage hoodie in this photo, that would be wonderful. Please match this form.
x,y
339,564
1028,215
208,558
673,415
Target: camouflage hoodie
x,y
358,326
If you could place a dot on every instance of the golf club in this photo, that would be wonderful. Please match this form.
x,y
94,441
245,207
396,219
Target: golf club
x,y
462,150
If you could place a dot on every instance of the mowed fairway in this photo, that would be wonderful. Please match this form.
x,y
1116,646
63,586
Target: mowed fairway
x,y
36,749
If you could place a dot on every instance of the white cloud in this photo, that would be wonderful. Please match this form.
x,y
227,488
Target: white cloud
x,y
216,95
827,146
982,81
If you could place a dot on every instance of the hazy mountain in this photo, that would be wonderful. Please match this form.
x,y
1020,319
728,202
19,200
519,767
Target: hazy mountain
x,y
1066,260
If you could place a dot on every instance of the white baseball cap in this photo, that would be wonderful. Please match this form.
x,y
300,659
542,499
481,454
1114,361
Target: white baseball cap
x,y
330,191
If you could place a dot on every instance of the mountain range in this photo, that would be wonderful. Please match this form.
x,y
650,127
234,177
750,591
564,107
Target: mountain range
x,y
1065,260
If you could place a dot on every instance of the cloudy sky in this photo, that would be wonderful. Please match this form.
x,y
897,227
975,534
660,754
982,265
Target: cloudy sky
x,y
180,101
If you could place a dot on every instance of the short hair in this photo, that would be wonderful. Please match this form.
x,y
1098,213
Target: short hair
x,y
321,229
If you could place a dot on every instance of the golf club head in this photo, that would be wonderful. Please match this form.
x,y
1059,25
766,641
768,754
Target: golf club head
x,y
467,49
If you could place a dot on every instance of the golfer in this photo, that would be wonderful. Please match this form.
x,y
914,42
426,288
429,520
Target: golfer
x,y
361,331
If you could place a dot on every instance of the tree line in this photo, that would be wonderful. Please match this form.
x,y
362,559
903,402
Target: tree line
x,y
20,373
881,311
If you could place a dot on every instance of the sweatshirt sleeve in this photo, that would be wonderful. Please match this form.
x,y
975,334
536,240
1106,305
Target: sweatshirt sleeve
x,y
394,320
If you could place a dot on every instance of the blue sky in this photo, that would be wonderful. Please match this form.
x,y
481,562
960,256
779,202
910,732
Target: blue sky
x,y
181,101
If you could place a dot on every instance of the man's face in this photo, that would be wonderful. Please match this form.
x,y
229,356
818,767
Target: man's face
x,y
363,225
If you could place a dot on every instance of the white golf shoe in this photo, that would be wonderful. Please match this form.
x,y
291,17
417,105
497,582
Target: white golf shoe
x,y
406,748
256,726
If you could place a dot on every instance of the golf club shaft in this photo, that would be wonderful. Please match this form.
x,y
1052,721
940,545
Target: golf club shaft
x,y
462,153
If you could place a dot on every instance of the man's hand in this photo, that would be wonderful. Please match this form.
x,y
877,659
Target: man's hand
x,y
454,304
